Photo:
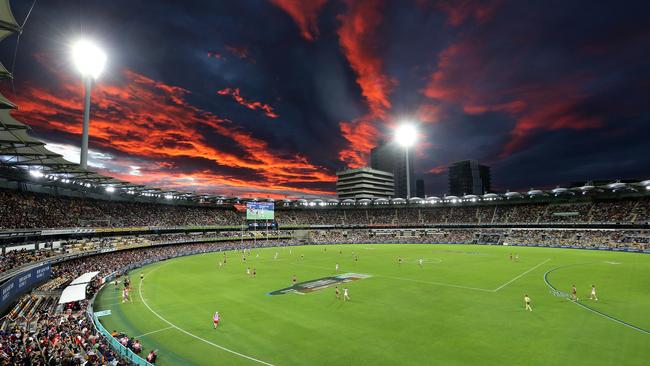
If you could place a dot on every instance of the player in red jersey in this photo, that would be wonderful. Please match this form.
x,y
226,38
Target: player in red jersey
x,y
338,293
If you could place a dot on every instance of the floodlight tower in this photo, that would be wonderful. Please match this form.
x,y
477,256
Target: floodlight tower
x,y
406,135
89,60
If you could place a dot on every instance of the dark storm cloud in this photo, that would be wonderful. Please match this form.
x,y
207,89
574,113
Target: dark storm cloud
x,y
545,92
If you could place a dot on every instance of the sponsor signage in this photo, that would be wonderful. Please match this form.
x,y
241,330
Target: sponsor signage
x,y
320,283
22,283
102,313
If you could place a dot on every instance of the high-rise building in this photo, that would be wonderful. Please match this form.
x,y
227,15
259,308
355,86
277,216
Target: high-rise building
x,y
390,157
419,188
364,183
468,177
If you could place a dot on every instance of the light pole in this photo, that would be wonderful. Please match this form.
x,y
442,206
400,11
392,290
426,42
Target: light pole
x,y
89,60
405,135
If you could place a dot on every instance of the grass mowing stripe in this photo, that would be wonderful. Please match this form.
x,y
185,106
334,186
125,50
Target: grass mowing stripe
x,y
598,312
193,335
518,277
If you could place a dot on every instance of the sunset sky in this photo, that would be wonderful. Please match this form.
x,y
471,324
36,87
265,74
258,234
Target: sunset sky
x,y
272,97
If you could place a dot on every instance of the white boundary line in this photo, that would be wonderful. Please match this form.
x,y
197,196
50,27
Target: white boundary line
x,y
193,335
521,275
584,306
435,283
152,332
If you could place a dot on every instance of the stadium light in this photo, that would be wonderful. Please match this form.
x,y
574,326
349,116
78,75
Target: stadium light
x,y
88,58
406,135
110,189
89,61
36,173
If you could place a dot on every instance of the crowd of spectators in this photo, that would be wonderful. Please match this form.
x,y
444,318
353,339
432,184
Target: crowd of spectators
x,y
582,238
17,258
30,210
55,338
14,259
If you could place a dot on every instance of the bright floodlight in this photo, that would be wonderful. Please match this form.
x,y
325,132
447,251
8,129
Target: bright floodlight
x,y
406,135
88,58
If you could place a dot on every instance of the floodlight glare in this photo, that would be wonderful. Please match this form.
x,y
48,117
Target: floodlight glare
x,y
405,135
36,173
88,58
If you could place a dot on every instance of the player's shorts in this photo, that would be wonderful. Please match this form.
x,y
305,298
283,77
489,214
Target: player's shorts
x,y
215,321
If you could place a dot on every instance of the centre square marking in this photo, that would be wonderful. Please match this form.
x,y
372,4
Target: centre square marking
x,y
319,284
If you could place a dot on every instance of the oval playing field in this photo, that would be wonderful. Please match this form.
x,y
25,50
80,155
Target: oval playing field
x,y
463,305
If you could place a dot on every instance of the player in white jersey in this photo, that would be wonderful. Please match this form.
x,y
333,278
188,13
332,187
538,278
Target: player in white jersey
x,y
215,320
248,271
346,295
337,267
420,261
125,295
527,301
593,293
275,256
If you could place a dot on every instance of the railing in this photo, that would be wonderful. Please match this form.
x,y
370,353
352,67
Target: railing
x,y
115,345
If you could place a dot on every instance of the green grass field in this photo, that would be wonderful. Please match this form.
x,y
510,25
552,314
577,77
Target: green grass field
x,y
463,306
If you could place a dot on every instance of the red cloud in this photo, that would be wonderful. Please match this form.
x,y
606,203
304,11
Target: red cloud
x,y
304,13
460,10
148,119
358,41
362,135
463,78
268,110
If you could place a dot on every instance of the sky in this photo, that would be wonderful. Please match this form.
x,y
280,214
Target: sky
x,y
269,98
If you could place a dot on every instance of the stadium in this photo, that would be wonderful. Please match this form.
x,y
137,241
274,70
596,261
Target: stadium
x,y
98,270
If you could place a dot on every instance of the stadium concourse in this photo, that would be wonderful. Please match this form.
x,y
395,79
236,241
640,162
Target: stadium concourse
x,y
76,235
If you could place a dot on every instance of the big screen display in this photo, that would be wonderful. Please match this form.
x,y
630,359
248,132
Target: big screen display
x,y
259,211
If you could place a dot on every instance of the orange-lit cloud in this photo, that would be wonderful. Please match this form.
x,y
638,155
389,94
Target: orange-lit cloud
x,y
304,13
438,169
147,119
362,135
254,105
463,79
358,40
